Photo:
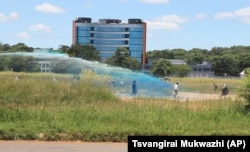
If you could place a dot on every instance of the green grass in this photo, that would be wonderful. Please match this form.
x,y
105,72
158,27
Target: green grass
x,y
37,108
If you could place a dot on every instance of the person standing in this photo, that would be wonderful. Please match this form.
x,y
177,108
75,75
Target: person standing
x,y
224,91
215,87
134,88
176,88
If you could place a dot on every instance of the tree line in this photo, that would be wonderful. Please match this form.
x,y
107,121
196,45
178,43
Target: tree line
x,y
225,60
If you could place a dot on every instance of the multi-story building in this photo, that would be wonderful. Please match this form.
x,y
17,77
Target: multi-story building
x,y
107,35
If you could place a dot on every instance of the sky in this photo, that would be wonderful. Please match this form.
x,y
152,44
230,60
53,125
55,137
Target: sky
x,y
171,24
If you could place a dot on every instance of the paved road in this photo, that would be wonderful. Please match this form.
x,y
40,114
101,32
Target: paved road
x,y
40,146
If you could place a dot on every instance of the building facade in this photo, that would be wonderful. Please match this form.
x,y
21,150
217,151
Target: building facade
x,y
107,35
202,70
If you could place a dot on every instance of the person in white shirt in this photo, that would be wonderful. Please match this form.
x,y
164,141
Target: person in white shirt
x,y
176,87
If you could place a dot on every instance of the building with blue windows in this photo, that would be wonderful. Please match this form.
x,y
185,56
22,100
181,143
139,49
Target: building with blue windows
x,y
107,35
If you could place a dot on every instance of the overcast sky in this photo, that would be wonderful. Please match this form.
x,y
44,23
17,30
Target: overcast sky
x,y
171,24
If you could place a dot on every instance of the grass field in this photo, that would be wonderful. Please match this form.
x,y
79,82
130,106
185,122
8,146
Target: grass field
x,y
37,108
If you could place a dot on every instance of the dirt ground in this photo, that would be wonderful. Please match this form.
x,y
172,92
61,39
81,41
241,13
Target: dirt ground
x,y
184,96
192,96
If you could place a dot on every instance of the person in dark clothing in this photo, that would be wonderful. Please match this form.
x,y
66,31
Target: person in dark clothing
x,y
134,88
224,91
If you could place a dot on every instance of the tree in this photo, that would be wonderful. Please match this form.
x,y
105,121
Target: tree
x,y
60,66
86,52
64,48
167,54
181,70
121,58
179,53
161,68
226,64
132,64
244,90
23,63
120,55
4,62
196,56
244,62
4,47
20,47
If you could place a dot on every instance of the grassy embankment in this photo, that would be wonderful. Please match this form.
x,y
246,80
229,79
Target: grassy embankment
x,y
37,108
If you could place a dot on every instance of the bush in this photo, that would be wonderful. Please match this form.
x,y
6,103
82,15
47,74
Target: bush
x,y
244,90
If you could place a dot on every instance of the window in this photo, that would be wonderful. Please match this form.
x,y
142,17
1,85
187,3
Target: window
x,y
83,33
108,35
132,29
136,34
110,29
135,41
136,54
110,42
83,28
135,47
83,40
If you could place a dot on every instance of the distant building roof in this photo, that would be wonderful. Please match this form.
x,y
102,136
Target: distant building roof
x,y
205,63
177,61
172,61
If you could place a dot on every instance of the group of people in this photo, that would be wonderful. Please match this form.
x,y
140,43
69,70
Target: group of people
x,y
121,82
224,90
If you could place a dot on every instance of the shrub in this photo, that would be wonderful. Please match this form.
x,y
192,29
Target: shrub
x,y
244,90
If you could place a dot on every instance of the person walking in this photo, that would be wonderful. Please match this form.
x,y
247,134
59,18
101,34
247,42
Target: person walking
x,y
134,88
176,88
224,91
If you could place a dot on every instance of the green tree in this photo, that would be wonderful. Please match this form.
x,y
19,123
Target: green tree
x,y
86,52
64,48
181,70
166,54
60,66
23,63
4,63
244,62
4,47
179,53
120,55
226,64
244,90
161,68
131,63
20,47
196,56
121,58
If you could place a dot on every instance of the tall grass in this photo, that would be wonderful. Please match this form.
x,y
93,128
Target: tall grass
x,y
37,108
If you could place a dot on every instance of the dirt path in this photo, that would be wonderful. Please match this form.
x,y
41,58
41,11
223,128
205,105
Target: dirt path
x,y
192,96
